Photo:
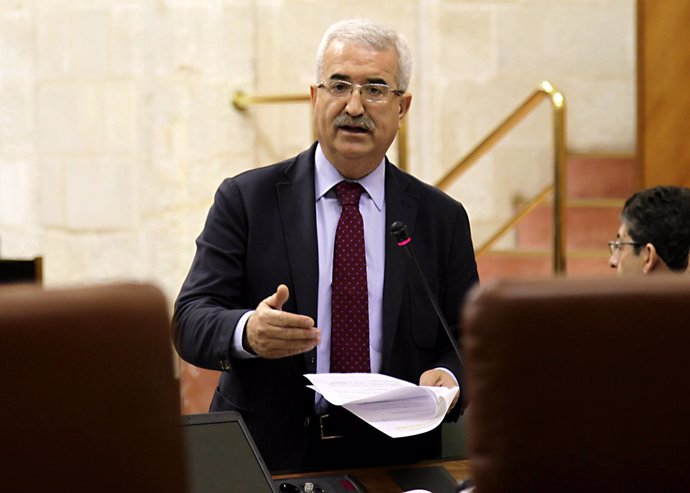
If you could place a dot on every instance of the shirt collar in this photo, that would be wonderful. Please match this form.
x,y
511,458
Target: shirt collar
x,y
327,176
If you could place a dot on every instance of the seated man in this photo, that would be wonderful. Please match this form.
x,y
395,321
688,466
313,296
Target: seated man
x,y
654,235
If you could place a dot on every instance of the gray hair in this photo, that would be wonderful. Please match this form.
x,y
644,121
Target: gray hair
x,y
367,33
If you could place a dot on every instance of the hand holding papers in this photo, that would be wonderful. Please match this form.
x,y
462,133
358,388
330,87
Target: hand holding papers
x,y
395,407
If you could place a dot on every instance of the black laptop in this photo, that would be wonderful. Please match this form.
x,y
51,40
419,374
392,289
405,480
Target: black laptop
x,y
222,456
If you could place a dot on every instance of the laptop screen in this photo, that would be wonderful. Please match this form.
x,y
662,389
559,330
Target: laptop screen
x,y
221,455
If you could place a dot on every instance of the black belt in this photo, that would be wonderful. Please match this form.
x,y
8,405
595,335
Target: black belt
x,y
337,423
329,428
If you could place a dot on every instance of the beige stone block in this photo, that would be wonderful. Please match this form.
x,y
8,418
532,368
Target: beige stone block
x,y
214,126
89,258
52,198
567,38
205,176
70,117
467,41
161,193
101,194
172,46
491,3
79,258
121,121
601,115
476,110
183,39
17,111
21,242
165,122
226,40
16,47
72,40
281,132
112,257
16,193
287,38
474,190
63,258
130,44
522,173
168,247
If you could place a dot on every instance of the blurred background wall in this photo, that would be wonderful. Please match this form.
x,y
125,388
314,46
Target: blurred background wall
x,y
116,125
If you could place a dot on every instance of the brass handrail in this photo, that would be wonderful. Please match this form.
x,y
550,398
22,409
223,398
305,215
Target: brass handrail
x,y
524,209
545,91
241,101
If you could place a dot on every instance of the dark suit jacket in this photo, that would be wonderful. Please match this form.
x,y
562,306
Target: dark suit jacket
x,y
260,232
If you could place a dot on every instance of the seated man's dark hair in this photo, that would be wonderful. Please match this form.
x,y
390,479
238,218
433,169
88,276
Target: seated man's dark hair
x,y
661,216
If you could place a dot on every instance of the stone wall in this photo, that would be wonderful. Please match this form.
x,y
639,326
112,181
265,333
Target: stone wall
x,y
116,127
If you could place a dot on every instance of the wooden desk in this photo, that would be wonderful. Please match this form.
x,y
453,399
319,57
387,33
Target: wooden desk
x,y
377,479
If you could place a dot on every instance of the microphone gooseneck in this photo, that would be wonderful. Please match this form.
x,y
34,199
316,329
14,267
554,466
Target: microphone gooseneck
x,y
403,240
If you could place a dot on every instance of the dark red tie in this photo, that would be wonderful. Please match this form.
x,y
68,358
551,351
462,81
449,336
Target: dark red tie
x,y
350,301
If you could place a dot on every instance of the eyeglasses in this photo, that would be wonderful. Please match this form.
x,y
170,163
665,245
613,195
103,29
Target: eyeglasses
x,y
615,245
373,92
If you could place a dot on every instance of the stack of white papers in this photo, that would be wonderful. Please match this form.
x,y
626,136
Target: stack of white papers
x,y
393,406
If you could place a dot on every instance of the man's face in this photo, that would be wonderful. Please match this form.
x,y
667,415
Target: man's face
x,y
355,134
623,259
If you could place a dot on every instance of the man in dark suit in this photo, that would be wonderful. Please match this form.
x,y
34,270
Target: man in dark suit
x,y
654,235
256,304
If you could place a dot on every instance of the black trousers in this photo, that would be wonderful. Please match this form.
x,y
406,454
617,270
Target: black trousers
x,y
342,440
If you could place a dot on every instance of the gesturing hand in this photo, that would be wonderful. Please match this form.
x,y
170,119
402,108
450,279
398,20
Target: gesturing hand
x,y
273,333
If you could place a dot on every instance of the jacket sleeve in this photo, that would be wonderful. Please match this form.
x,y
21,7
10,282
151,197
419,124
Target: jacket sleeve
x,y
210,301
459,276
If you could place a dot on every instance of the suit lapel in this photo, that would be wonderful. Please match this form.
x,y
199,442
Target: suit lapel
x,y
298,215
401,205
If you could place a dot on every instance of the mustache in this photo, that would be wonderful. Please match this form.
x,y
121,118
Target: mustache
x,y
346,120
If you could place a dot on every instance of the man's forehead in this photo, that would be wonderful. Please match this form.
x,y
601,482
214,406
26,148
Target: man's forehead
x,y
341,57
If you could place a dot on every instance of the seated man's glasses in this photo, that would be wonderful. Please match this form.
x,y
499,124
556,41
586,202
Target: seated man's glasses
x,y
372,92
615,245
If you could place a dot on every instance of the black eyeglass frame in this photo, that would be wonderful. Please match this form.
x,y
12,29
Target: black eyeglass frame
x,y
615,245
360,87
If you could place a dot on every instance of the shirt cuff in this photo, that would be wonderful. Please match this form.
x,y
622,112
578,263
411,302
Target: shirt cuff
x,y
236,349
446,370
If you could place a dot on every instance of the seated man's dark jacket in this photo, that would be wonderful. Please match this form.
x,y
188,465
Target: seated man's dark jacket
x,y
261,232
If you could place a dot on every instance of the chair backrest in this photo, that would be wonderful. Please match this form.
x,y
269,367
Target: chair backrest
x,y
88,398
14,271
579,385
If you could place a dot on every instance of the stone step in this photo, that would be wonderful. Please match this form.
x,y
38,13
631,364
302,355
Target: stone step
x,y
597,186
601,176
589,225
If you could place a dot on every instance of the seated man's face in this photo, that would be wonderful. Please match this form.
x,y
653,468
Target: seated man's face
x,y
623,257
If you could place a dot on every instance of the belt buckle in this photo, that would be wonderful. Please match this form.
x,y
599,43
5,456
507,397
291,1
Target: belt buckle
x,y
322,427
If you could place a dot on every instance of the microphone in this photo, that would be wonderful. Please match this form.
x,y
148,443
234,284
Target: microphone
x,y
403,239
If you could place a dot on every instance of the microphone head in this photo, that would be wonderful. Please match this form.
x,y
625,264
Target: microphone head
x,y
399,232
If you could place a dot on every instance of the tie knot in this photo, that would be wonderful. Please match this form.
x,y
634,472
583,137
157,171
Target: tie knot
x,y
348,192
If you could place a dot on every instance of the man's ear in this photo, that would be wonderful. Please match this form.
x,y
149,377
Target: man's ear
x,y
312,94
405,102
652,259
